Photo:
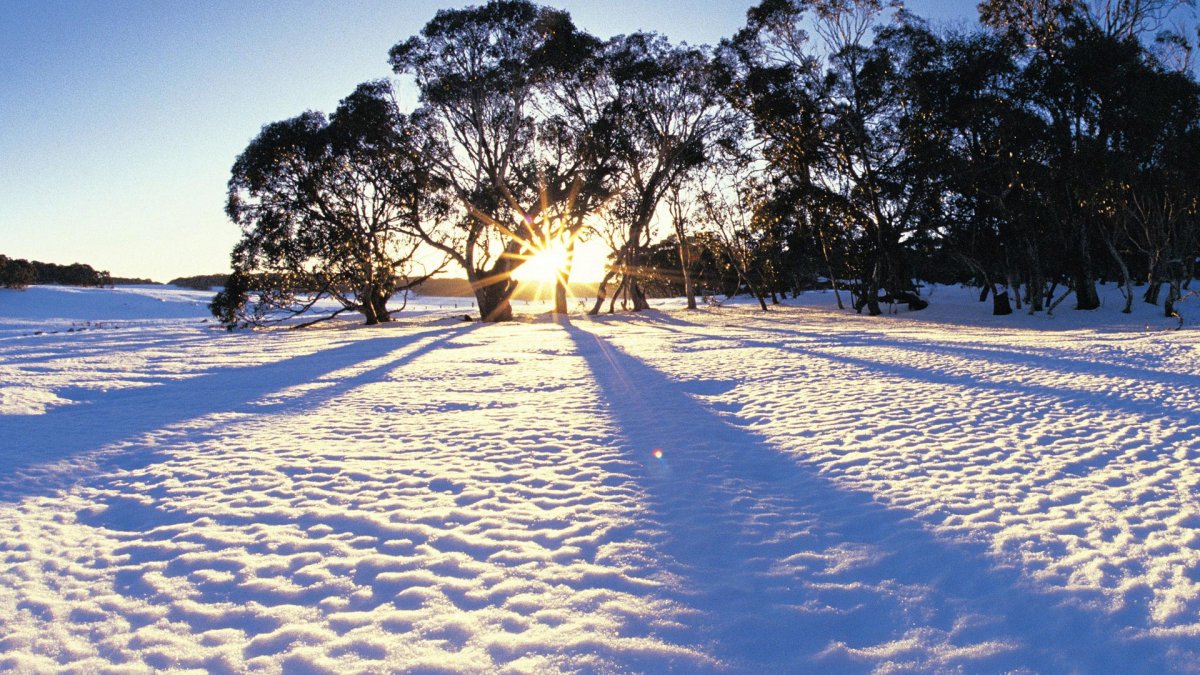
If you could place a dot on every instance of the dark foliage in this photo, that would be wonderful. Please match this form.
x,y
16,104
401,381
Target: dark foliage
x,y
18,273
828,143
202,282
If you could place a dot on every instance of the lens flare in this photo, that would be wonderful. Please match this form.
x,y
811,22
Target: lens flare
x,y
657,453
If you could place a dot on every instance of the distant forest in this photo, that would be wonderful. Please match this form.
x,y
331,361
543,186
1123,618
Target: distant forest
x,y
203,282
19,273
845,143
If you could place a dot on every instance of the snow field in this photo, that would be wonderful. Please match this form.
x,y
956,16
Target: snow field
x,y
708,491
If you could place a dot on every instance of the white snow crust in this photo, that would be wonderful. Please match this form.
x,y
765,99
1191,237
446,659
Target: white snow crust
x,y
800,490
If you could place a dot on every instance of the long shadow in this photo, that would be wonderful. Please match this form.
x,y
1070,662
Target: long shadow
x,y
1182,384
1047,358
30,445
1111,399
790,572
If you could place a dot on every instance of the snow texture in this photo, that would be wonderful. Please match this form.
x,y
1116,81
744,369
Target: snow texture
x,y
721,490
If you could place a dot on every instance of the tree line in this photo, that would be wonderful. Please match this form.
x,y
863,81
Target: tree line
x,y
21,273
844,143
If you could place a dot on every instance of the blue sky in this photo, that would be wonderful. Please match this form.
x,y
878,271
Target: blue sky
x,y
119,119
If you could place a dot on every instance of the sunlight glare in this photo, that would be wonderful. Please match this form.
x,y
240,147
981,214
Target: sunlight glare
x,y
545,264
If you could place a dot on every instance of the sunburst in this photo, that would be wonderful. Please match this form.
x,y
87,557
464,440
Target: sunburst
x,y
547,252
547,261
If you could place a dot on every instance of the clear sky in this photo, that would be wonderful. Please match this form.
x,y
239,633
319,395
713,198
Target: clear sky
x,y
120,119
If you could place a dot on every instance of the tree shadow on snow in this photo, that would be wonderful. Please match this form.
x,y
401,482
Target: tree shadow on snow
x,y
818,345
112,430
790,572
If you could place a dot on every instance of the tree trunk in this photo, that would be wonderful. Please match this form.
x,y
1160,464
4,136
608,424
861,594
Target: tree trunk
x,y
495,301
1035,285
633,263
1000,303
638,295
873,293
367,307
560,297
601,293
1086,297
1126,281
1173,295
833,281
379,300
1153,289
685,264
561,280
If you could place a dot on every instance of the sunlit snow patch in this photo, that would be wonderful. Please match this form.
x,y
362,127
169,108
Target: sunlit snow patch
x,y
28,401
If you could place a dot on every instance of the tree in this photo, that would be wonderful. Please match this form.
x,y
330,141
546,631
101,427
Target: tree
x,y
1081,58
838,127
669,112
326,209
16,273
680,208
522,168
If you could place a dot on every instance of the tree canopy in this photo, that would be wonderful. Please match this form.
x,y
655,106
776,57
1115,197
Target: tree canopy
x,y
328,209
843,143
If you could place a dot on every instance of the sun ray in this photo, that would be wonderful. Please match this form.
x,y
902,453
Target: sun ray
x,y
546,239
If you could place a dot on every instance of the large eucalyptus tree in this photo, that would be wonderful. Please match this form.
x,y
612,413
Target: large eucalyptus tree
x,y
522,168
328,208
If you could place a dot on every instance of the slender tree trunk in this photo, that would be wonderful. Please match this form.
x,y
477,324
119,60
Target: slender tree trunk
x,y
1126,281
873,293
601,293
633,253
620,293
1173,295
762,300
638,295
679,220
833,281
685,265
561,280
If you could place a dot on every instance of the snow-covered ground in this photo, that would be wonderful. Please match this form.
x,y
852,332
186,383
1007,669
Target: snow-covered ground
x,y
798,490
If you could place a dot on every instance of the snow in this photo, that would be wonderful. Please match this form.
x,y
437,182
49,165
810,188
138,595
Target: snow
x,y
722,490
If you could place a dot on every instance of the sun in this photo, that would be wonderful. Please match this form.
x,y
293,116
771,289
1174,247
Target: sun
x,y
546,263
